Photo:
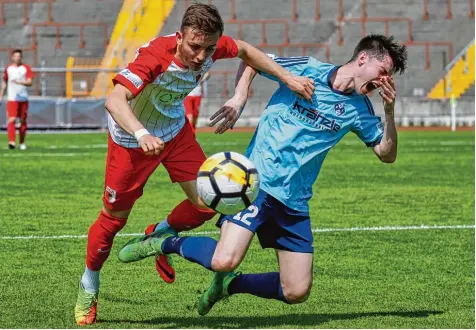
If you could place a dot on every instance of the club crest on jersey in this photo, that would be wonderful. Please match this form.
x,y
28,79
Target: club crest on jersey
x,y
110,194
339,108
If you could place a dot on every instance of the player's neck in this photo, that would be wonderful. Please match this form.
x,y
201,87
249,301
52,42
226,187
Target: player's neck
x,y
179,60
343,79
178,56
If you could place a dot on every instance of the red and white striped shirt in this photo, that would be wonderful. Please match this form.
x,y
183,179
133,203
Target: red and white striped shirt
x,y
13,73
160,83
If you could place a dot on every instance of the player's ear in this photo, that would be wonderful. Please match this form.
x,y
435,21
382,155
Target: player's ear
x,y
179,37
363,58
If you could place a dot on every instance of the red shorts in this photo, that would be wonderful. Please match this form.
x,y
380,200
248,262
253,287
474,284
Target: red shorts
x,y
192,105
128,169
17,109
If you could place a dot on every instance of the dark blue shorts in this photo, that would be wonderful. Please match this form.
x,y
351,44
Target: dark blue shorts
x,y
277,225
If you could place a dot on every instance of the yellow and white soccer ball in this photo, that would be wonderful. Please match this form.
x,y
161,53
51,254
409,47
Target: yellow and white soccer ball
x,y
228,182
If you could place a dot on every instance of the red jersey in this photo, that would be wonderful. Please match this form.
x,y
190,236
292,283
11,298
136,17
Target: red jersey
x,y
160,83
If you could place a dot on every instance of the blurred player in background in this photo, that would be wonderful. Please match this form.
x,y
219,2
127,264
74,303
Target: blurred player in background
x,y
152,129
16,78
193,100
288,148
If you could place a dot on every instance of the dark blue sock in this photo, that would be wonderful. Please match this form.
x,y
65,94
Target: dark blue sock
x,y
265,285
195,249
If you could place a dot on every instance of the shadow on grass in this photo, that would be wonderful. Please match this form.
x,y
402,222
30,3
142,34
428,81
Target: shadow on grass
x,y
291,320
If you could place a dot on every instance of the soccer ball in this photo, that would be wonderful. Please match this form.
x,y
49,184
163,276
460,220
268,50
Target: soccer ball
x,y
228,182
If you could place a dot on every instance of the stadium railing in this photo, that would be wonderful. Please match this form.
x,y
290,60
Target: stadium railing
x,y
81,25
264,23
317,16
137,23
449,13
83,111
26,4
364,20
431,44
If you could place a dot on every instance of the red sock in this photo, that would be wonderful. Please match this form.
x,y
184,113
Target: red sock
x,y
22,132
187,216
11,131
100,237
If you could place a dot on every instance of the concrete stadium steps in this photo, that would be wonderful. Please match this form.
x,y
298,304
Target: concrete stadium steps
x,y
16,34
458,30
469,92
459,78
305,29
86,11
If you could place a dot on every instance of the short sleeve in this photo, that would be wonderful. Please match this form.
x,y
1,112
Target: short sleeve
x,y
295,65
369,127
141,71
226,48
29,74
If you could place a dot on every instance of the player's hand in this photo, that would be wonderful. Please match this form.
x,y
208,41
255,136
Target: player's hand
x,y
228,113
302,86
151,145
388,93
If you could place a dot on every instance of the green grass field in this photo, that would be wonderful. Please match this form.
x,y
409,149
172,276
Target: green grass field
x,y
411,278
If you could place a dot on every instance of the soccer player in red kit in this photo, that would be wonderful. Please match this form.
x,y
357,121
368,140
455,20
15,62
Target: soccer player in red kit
x,y
16,78
152,129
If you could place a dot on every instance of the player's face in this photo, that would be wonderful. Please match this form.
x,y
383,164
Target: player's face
x,y
370,73
194,47
16,58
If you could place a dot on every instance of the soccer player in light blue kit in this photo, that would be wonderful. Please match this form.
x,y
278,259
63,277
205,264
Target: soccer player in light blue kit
x,y
291,142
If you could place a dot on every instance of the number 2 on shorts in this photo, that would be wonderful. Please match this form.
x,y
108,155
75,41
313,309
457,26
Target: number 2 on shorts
x,y
253,213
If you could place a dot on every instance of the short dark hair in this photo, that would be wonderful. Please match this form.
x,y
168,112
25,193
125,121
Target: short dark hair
x,y
17,51
204,18
379,46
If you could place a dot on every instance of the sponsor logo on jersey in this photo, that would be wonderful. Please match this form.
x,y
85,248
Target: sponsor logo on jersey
x,y
132,77
315,118
169,97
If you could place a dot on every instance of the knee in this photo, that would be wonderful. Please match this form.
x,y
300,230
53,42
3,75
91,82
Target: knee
x,y
296,293
11,119
225,263
123,214
197,202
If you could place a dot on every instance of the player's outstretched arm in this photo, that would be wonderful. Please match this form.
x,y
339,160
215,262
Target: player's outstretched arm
x,y
231,110
386,150
255,58
118,106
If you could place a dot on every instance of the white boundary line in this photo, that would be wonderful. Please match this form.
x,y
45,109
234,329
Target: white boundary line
x,y
234,143
216,232
37,154
73,154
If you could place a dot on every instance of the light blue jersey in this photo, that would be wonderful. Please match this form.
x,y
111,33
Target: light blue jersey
x,y
294,136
